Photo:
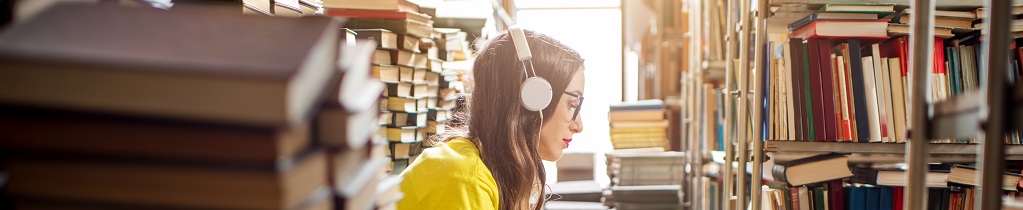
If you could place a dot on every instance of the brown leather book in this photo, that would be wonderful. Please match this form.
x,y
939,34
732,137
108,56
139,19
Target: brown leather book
x,y
169,185
199,66
61,132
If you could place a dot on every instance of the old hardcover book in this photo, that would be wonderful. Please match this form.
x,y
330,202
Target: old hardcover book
x,y
111,64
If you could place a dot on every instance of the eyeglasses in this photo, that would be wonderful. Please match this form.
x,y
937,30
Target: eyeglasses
x,y
575,109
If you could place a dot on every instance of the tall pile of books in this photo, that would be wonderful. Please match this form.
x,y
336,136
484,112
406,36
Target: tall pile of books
x,y
401,63
347,126
211,117
638,125
283,8
645,178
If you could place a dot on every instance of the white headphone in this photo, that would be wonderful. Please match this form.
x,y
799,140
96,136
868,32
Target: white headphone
x,y
535,92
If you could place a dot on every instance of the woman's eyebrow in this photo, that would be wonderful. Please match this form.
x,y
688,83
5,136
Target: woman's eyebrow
x,y
576,92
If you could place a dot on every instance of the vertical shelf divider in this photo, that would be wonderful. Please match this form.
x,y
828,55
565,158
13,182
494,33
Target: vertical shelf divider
x,y
991,159
729,137
920,63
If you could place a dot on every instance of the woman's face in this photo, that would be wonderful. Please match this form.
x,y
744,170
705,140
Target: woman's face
x,y
556,133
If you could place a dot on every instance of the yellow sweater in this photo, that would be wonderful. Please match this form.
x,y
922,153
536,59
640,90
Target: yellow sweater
x,y
449,176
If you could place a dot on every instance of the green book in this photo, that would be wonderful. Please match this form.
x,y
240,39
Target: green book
x,y
874,8
809,95
818,198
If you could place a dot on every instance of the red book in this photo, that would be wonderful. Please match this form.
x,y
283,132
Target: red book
x,y
843,29
377,14
817,78
827,88
836,195
794,198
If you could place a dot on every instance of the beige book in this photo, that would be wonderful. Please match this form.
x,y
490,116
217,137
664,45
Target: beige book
x,y
899,97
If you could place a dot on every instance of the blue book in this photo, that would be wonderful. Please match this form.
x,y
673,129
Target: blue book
x,y
857,198
872,196
886,200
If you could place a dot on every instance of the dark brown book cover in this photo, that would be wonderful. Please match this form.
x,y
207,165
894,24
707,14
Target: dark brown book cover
x,y
797,78
186,65
170,185
25,130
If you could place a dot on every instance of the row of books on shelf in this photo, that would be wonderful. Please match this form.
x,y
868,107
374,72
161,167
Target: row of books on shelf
x,y
842,73
109,119
826,181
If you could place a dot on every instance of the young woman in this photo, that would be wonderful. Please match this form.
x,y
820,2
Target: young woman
x,y
495,163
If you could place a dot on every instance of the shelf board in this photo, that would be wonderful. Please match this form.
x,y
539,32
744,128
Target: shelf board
x,y
939,4
878,148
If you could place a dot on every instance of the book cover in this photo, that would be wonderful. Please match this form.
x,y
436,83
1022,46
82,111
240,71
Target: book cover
x,y
843,29
826,89
808,94
859,91
885,198
817,78
873,197
798,90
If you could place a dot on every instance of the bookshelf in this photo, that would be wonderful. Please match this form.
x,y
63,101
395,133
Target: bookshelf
x,y
963,116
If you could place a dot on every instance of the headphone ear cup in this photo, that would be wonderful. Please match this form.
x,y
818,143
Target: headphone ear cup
x,y
536,94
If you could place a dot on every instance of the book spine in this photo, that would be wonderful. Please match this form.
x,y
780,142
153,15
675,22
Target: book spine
x,y
826,89
799,99
803,21
816,86
860,91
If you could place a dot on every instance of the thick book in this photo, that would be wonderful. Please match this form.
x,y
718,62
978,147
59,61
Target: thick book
x,y
360,190
813,169
46,131
409,27
207,187
378,14
798,89
857,198
399,5
841,29
817,15
895,177
112,64
968,175
654,104
899,29
877,8
384,38
886,198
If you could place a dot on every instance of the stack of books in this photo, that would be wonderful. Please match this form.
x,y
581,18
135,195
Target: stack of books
x,y
283,8
401,62
644,179
347,127
209,117
638,125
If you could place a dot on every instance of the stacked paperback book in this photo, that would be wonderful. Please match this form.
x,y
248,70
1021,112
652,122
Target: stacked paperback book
x,y
644,179
638,125
283,8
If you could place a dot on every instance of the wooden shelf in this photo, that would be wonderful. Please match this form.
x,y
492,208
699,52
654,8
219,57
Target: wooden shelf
x,y
879,148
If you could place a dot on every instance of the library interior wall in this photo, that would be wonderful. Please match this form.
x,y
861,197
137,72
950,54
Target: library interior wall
x,y
595,33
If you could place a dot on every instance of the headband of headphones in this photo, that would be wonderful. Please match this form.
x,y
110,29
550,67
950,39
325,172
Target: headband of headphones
x,y
535,92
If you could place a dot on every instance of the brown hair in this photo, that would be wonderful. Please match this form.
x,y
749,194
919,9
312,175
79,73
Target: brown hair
x,y
504,131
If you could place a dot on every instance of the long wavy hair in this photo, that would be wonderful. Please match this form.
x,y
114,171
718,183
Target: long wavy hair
x,y
504,131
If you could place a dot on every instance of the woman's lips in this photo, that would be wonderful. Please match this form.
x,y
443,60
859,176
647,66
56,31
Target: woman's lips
x,y
566,142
